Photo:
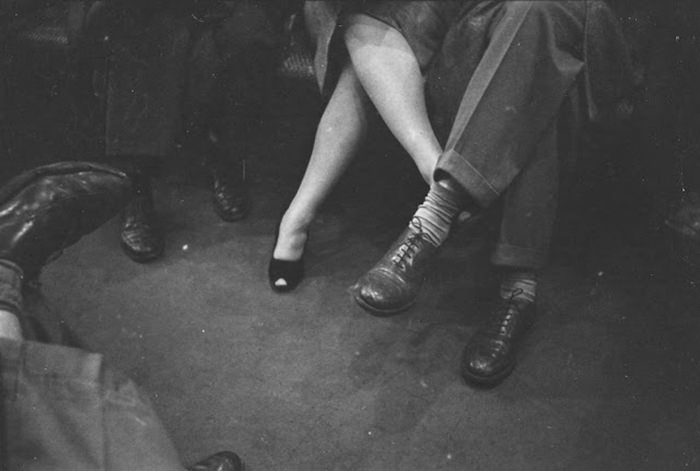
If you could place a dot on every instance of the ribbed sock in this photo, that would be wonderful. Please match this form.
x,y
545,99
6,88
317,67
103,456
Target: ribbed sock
x,y
10,300
519,284
437,212
10,287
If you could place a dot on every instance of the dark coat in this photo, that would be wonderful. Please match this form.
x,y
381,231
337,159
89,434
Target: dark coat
x,y
188,70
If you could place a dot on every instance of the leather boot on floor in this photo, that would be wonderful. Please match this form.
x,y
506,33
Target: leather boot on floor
x,y
223,461
392,285
230,195
141,237
47,209
490,355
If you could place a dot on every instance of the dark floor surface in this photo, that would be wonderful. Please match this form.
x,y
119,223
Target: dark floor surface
x,y
608,380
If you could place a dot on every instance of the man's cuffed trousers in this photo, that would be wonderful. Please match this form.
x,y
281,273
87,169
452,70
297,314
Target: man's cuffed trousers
x,y
511,66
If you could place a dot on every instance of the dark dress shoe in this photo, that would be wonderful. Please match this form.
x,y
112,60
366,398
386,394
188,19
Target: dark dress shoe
x,y
230,197
47,209
141,237
222,461
392,285
490,355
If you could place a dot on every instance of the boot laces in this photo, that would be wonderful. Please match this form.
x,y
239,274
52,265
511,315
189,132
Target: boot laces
x,y
503,320
409,247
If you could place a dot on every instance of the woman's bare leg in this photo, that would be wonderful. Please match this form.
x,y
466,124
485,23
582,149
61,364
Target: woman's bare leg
x,y
341,129
391,76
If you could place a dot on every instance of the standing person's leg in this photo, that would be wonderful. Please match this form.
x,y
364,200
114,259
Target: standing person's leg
x,y
340,132
143,113
230,77
531,62
141,236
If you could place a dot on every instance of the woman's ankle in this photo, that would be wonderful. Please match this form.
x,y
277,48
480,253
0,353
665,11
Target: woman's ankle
x,y
291,238
290,247
295,220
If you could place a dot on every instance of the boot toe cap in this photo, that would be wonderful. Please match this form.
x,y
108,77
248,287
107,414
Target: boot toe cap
x,y
382,294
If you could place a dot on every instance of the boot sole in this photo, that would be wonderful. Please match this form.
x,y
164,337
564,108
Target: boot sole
x,y
140,257
487,381
377,312
226,217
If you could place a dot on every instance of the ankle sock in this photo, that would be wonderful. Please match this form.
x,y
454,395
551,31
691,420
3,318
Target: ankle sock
x,y
520,284
10,287
437,212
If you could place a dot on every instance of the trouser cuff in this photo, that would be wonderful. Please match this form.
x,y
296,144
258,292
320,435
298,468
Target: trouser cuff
x,y
505,255
469,178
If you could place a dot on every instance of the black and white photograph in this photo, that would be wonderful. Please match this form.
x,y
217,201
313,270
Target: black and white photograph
x,y
349,235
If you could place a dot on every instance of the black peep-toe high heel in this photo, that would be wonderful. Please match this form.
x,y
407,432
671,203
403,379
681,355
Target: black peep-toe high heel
x,y
289,271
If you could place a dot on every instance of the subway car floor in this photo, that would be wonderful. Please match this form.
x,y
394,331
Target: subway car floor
x,y
608,379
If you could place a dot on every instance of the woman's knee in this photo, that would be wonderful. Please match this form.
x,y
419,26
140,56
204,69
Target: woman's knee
x,y
362,30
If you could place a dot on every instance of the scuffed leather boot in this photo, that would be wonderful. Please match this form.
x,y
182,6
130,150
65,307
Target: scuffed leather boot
x,y
47,209
490,355
230,195
141,236
222,461
392,285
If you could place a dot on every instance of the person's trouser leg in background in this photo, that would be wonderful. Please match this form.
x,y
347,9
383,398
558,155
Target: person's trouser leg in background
x,y
147,65
141,236
229,76
506,119
145,80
